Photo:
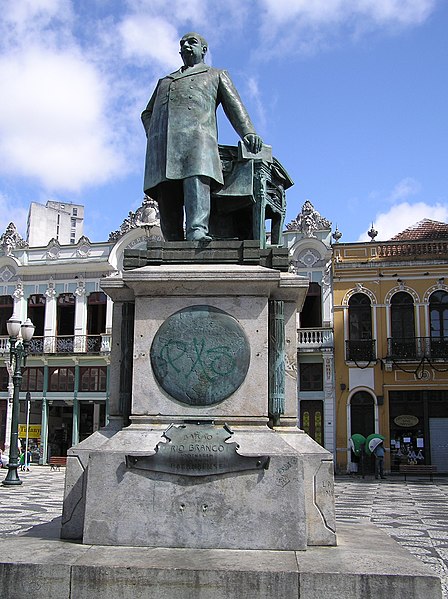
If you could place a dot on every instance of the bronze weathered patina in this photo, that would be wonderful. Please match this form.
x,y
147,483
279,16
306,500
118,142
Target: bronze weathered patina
x,y
182,158
196,450
200,355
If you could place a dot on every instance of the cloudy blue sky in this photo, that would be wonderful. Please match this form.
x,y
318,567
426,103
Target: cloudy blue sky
x,y
351,94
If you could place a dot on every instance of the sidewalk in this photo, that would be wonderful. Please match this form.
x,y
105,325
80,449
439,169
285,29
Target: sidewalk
x,y
414,513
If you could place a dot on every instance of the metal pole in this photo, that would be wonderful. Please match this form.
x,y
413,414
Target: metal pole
x,y
12,478
28,405
18,354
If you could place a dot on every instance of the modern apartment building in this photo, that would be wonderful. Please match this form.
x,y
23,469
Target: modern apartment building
x,y
63,222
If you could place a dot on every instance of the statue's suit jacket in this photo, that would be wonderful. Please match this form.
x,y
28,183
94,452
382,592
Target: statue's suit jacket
x,y
180,123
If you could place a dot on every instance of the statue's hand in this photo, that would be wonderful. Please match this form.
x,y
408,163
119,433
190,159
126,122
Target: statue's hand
x,y
253,142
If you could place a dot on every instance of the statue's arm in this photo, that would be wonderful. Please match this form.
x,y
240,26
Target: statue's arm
x,y
147,113
237,113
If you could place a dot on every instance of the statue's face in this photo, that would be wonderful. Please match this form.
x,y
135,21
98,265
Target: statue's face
x,y
191,50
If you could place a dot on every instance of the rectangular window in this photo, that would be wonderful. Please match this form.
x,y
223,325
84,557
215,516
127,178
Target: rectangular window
x,y
311,376
73,222
75,211
93,378
32,379
62,379
4,379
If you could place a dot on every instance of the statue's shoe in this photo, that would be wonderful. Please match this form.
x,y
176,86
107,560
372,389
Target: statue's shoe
x,y
197,236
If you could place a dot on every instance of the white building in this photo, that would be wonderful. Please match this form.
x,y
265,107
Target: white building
x,y
308,239
57,286
63,222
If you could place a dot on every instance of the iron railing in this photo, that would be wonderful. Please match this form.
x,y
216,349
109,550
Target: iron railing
x,y
416,348
360,350
64,344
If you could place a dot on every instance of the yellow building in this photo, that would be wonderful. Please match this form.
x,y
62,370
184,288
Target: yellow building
x,y
391,345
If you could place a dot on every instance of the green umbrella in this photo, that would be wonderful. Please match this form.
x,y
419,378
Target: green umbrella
x,y
357,442
372,442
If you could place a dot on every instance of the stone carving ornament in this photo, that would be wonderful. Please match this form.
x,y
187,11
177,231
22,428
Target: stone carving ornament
x,y
11,240
308,221
145,216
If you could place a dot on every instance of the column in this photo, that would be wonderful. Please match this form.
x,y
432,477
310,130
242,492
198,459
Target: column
x,y
75,423
50,319
44,421
329,401
276,360
19,309
80,318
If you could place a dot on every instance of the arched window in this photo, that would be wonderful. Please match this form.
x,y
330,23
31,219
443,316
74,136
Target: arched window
x,y
96,313
65,321
402,343
360,346
360,317
438,318
66,314
36,313
362,414
438,315
6,310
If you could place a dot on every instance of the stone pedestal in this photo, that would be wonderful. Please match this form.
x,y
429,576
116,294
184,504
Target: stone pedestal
x,y
160,515
286,506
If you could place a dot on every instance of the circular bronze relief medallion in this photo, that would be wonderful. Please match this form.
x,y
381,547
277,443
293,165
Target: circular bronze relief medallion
x,y
200,355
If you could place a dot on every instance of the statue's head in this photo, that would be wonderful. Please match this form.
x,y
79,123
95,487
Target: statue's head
x,y
193,48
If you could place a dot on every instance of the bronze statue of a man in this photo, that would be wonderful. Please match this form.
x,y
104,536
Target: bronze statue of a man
x,y
182,159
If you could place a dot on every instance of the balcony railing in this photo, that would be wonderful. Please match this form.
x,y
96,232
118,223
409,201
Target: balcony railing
x,y
360,350
65,344
416,348
310,339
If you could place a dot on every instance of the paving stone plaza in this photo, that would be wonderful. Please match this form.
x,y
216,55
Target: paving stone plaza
x,y
414,513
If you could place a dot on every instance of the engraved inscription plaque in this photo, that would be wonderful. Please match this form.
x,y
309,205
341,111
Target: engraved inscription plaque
x,y
200,355
196,450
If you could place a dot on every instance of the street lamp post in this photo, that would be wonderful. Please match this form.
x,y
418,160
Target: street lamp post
x,y
17,358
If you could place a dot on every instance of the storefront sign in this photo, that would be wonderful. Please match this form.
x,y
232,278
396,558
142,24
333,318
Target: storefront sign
x,y
406,420
34,431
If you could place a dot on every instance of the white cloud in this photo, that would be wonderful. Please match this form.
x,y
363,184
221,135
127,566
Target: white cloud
x,y
404,189
23,22
307,25
319,12
255,95
403,215
52,127
150,39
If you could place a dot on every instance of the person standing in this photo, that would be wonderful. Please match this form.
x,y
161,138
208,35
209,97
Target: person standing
x,y
182,157
22,460
379,460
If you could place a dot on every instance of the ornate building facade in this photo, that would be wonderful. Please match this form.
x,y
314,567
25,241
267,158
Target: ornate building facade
x,y
308,238
65,386
391,345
